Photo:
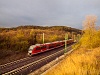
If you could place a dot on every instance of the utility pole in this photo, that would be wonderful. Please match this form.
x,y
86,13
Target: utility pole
x,y
34,37
43,38
78,37
72,35
74,38
66,38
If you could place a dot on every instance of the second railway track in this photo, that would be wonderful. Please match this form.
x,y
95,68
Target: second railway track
x,y
29,64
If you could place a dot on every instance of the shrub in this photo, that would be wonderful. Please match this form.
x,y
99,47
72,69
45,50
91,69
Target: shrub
x,y
91,36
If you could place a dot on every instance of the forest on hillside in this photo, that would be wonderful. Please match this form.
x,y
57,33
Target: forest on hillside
x,y
64,28
23,36
19,39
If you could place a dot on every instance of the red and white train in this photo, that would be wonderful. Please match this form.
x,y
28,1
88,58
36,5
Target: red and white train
x,y
39,48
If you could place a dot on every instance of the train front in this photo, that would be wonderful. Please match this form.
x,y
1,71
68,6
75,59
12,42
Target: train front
x,y
30,50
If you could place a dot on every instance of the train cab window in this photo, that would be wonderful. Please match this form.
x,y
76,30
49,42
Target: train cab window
x,y
38,48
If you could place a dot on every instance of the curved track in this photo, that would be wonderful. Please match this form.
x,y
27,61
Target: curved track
x,y
29,64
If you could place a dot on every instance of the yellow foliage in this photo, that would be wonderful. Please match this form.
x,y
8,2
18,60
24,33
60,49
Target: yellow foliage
x,y
80,62
91,36
90,40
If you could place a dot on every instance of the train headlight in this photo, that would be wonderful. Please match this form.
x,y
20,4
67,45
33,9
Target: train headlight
x,y
29,51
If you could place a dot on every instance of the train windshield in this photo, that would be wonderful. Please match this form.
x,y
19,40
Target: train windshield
x,y
31,48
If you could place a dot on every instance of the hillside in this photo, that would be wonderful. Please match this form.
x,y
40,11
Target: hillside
x,y
63,28
14,42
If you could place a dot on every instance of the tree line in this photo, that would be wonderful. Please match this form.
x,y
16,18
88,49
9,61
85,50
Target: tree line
x,y
20,38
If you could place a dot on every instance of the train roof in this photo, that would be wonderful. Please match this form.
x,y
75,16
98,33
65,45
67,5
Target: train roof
x,y
48,43
35,45
57,41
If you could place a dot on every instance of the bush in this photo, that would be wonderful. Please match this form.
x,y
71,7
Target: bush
x,y
91,36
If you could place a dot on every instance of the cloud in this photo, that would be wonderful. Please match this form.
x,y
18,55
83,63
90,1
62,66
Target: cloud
x,y
47,12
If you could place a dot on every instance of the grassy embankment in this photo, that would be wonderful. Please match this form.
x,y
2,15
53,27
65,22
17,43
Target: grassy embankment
x,y
80,62
85,59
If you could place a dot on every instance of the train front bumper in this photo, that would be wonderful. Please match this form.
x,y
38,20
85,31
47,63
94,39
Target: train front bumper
x,y
30,53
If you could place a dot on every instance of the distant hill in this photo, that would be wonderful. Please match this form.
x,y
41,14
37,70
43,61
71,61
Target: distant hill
x,y
63,28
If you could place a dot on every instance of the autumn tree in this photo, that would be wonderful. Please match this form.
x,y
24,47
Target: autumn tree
x,y
90,38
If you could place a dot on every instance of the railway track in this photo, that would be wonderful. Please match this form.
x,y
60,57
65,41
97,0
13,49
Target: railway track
x,y
27,65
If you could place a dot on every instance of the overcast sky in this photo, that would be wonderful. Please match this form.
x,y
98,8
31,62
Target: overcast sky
x,y
47,12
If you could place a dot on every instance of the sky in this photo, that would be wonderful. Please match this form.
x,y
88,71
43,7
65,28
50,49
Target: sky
x,y
70,13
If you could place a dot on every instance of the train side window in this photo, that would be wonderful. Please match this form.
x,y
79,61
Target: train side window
x,y
63,42
58,44
43,47
50,46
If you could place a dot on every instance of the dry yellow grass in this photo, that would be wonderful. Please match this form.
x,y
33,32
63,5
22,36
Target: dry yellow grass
x,y
80,62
